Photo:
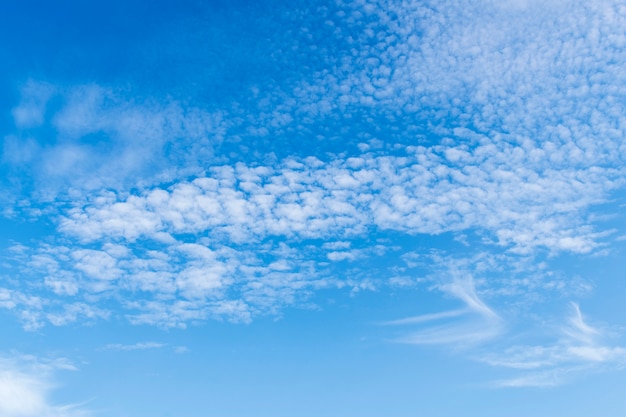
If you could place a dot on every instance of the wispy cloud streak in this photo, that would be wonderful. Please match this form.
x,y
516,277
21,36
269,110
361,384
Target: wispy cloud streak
x,y
475,324
580,349
424,318
136,346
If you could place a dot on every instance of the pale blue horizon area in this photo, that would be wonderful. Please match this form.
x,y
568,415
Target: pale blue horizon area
x,y
322,208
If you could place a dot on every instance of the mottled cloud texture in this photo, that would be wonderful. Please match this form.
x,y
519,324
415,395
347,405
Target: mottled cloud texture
x,y
499,127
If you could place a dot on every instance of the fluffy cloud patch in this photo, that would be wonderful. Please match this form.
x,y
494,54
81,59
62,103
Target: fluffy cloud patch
x,y
26,385
420,192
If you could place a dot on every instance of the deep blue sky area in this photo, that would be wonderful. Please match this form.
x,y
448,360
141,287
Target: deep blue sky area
x,y
327,208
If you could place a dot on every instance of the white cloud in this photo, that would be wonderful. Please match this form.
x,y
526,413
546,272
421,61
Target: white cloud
x,y
96,264
215,239
424,318
464,289
73,311
35,311
582,348
464,328
136,346
488,119
414,193
572,348
26,384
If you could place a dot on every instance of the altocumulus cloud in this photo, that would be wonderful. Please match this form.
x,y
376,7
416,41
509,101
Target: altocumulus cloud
x,y
490,120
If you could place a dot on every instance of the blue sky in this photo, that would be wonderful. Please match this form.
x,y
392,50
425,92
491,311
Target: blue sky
x,y
366,208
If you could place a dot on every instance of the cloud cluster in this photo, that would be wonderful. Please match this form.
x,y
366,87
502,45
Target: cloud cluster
x,y
233,243
422,191
170,285
537,71
248,239
501,121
